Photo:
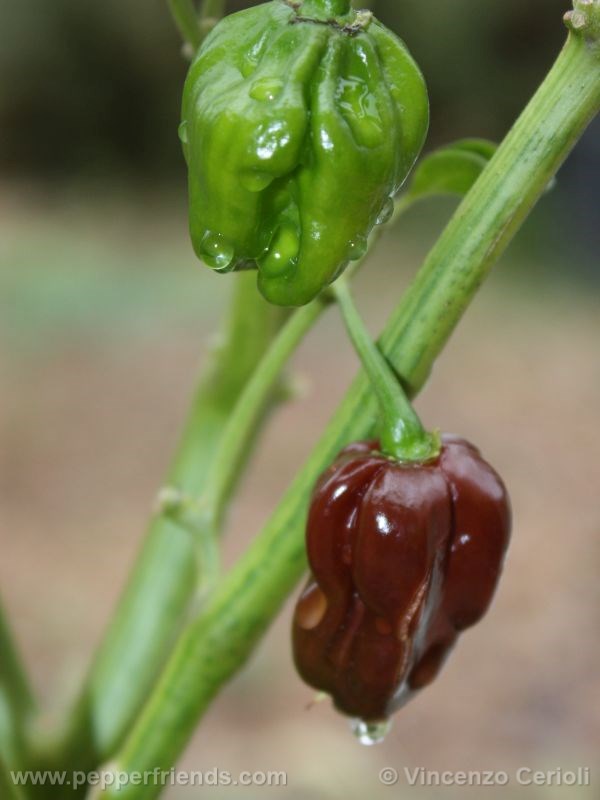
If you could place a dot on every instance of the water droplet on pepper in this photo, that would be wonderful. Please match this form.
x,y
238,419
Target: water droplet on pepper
x,y
248,66
386,213
370,733
183,132
266,89
358,104
282,252
216,251
255,180
357,248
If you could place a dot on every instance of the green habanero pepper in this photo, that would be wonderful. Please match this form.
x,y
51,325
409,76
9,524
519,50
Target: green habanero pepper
x,y
301,120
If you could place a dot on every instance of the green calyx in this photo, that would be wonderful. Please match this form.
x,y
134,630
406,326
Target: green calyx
x,y
339,16
300,122
320,9
584,21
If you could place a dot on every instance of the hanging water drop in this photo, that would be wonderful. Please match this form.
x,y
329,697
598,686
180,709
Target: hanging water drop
x,y
386,213
370,733
357,248
183,132
255,180
248,66
216,251
361,113
283,251
266,89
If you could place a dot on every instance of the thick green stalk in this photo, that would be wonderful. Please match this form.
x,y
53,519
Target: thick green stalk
x,y
216,645
16,698
165,579
530,156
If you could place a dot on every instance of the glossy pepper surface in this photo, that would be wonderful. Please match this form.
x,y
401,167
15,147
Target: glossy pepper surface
x,y
403,558
300,122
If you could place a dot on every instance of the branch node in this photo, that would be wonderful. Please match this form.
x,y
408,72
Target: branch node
x,y
584,20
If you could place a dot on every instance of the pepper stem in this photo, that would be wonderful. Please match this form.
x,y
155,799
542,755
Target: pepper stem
x,y
403,436
325,8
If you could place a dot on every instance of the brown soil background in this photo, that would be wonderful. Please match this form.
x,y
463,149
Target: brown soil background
x,y
105,319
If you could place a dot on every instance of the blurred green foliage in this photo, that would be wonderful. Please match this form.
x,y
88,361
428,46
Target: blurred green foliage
x,y
89,86
90,92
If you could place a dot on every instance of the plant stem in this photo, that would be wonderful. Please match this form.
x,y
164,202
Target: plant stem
x,y
216,645
16,697
187,21
203,516
499,201
213,8
242,424
195,26
177,562
210,13
173,570
165,579
402,435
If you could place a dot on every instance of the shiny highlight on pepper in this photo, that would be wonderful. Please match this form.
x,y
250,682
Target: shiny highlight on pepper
x,y
404,557
298,129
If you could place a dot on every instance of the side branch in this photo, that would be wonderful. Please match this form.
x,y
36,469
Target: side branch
x,y
215,646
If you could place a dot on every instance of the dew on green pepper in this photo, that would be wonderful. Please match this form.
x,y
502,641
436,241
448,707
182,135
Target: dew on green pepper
x,y
256,181
386,213
357,248
266,89
282,252
303,120
183,132
216,251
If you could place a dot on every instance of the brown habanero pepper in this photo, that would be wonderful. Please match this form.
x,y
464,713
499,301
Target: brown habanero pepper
x,y
404,557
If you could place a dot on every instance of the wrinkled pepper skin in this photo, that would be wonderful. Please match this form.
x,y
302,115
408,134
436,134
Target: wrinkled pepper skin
x,y
403,558
297,130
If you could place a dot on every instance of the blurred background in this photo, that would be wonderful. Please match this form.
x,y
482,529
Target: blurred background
x,y
105,318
